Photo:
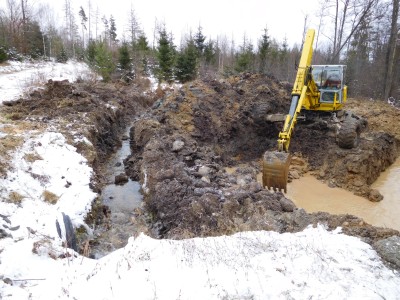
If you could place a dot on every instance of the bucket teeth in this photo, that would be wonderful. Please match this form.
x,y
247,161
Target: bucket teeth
x,y
275,170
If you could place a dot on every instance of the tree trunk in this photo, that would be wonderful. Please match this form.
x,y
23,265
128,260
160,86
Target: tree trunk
x,y
391,52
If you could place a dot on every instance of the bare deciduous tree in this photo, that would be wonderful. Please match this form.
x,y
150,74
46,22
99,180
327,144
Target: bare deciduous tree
x,y
347,15
391,52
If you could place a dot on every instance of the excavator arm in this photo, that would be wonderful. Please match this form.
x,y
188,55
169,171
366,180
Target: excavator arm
x,y
276,163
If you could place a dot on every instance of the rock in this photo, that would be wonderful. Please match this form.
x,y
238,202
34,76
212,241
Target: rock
x,y
165,174
206,179
358,183
144,130
177,145
374,196
242,180
204,170
121,179
294,174
286,204
389,249
255,187
4,234
332,183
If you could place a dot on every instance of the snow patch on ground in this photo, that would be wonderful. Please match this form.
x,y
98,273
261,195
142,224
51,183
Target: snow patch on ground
x,y
17,78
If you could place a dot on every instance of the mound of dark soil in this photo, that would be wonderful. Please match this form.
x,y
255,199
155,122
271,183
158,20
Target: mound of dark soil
x,y
182,147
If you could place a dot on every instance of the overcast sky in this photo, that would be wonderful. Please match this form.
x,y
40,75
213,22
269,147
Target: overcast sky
x,y
233,18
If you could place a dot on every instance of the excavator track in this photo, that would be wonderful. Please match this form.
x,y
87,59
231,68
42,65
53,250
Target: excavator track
x,y
349,133
276,170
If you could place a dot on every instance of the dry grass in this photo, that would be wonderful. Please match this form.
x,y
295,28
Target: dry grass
x,y
14,116
20,127
50,197
7,145
65,103
32,157
15,197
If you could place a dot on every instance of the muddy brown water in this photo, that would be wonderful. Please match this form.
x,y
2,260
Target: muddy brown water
x,y
313,196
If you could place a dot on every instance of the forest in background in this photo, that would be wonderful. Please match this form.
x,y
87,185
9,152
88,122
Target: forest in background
x,y
362,34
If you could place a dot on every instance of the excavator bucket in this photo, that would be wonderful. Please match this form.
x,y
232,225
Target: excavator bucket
x,y
275,170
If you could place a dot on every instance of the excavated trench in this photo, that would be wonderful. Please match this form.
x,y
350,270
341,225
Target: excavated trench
x,y
179,151
182,148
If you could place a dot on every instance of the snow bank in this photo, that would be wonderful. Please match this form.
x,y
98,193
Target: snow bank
x,y
313,264
17,78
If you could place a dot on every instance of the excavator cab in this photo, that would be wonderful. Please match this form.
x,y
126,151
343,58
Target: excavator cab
x,y
329,80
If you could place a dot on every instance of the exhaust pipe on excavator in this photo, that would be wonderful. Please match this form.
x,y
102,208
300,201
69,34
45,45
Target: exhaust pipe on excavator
x,y
276,170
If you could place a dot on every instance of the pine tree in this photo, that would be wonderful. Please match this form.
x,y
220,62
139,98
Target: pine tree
x,y
166,57
187,61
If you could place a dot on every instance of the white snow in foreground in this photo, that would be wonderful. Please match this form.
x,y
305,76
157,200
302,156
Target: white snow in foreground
x,y
315,263
19,77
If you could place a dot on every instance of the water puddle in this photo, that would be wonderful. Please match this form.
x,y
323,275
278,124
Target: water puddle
x,y
313,195
122,200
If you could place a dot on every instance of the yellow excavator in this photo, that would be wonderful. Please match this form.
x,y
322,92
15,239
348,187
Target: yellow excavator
x,y
317,88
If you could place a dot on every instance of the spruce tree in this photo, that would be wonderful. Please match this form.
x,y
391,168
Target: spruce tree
x,y
165,57
143,49
91,52
113,30
3,55
124,58
199,39
34,40
62,56
186,67
245,58
263,50
103,61
210,54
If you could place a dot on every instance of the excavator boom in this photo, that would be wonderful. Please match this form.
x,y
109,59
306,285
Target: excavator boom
x,y
276,163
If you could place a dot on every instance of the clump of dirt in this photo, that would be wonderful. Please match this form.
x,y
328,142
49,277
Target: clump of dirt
x,y
381,116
